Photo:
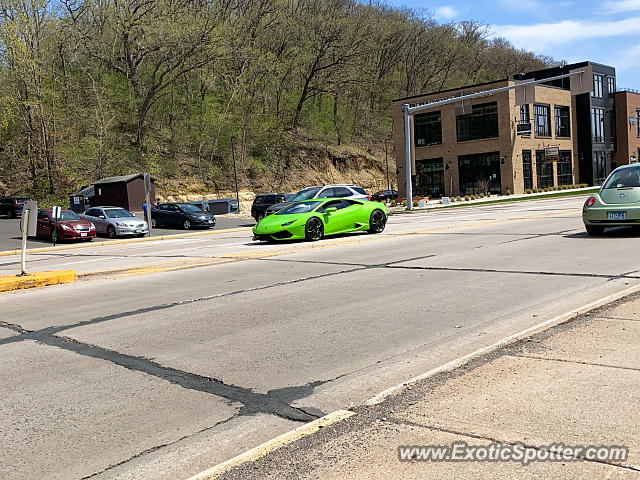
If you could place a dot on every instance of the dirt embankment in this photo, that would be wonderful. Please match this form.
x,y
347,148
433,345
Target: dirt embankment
x,y
309,164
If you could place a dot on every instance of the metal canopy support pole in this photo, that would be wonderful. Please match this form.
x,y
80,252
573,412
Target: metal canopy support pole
x,y
407,154
235,175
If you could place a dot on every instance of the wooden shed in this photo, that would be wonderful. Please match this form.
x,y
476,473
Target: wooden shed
x,y
126,191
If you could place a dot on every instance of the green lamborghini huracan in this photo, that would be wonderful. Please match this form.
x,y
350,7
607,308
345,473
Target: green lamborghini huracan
x,y
313,219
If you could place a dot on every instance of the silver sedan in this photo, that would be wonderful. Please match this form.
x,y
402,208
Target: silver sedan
x,y
115,221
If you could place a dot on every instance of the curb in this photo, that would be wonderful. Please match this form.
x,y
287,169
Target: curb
x,y
273,444
124,241
339,415
38,279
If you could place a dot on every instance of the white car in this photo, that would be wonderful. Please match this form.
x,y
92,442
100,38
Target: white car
x,y
114,221
343,190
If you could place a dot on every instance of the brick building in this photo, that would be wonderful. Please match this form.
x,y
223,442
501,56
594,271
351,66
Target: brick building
x,y
627,128
494,144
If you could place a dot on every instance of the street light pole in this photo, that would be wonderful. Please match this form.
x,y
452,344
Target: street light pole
x,y
386,161
235,175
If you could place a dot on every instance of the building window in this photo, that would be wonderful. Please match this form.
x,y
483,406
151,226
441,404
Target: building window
x,y
429,178
544,170
479,173
638,122
542,120
427,129
524,114
564,168
598,85
611,86
599,167
526,169
597,125
482,122
562,121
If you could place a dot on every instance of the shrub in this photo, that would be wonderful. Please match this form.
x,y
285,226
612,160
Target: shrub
x,y
393,203
415,203
508,192
458,199
466,197
488,194
481,195
583,185
528,190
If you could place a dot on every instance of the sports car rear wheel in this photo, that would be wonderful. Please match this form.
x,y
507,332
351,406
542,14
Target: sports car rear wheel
x,y
314,229
377,221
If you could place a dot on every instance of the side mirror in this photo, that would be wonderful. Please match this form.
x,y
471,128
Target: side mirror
x,y
330,210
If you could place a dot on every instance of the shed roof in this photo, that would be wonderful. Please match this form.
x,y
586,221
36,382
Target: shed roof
x,y
118,179
84,190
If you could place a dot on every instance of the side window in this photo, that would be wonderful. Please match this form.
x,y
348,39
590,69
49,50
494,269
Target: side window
x,y
342,192
327,193
42,214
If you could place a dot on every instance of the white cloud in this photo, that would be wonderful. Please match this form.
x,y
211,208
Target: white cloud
x,y
628,59
545,36
621,6
446,13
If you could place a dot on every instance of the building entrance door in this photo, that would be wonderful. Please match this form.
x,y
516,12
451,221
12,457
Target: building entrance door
x,y
429,178
479,173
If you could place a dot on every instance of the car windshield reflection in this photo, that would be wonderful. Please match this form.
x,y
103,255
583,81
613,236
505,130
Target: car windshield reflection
x,y
303,207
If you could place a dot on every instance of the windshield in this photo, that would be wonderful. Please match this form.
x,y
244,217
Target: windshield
x,y
625,177
68,215
306,194
304,207
187,207
117,213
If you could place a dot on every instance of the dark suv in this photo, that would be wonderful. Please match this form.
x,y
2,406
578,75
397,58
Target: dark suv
x,y
12,206
264,201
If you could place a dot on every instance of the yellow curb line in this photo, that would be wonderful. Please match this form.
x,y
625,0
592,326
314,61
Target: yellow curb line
x,y
273,444
453,364
38,279
123,241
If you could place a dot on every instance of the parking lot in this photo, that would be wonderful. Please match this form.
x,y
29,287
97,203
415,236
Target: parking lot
x,y
11,238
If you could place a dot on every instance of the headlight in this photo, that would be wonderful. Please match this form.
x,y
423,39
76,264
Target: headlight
x,y
66,227
288,223
93,227
120,224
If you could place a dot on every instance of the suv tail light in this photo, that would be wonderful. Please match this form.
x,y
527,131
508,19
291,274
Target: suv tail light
x,y
368,197
590,201
15,202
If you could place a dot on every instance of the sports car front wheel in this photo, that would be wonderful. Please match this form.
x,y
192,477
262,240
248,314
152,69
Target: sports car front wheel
x,y
377,221
314,229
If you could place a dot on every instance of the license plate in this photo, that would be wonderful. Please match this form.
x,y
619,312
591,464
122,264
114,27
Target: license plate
x,y
616,215
83,234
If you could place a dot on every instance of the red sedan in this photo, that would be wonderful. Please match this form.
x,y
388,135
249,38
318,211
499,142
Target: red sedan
x,y
70,226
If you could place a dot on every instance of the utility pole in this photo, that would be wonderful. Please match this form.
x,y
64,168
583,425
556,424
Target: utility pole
x,y
235,175
386,161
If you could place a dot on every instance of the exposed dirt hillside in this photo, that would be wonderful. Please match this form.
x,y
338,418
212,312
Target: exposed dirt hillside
x,y
310,163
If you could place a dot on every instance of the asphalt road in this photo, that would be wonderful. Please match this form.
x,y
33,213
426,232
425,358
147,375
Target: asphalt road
x,y
11,238
217,344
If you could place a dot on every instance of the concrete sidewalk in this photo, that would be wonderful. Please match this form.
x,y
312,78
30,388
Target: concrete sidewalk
x,y
575,384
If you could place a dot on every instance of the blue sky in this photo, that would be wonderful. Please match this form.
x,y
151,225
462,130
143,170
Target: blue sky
x,y
601,31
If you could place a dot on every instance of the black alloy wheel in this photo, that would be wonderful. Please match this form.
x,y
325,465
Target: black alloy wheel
x,y
111,232
314,229
186,224
377,221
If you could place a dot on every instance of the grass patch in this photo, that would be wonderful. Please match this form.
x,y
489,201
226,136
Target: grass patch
x,y
512,199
